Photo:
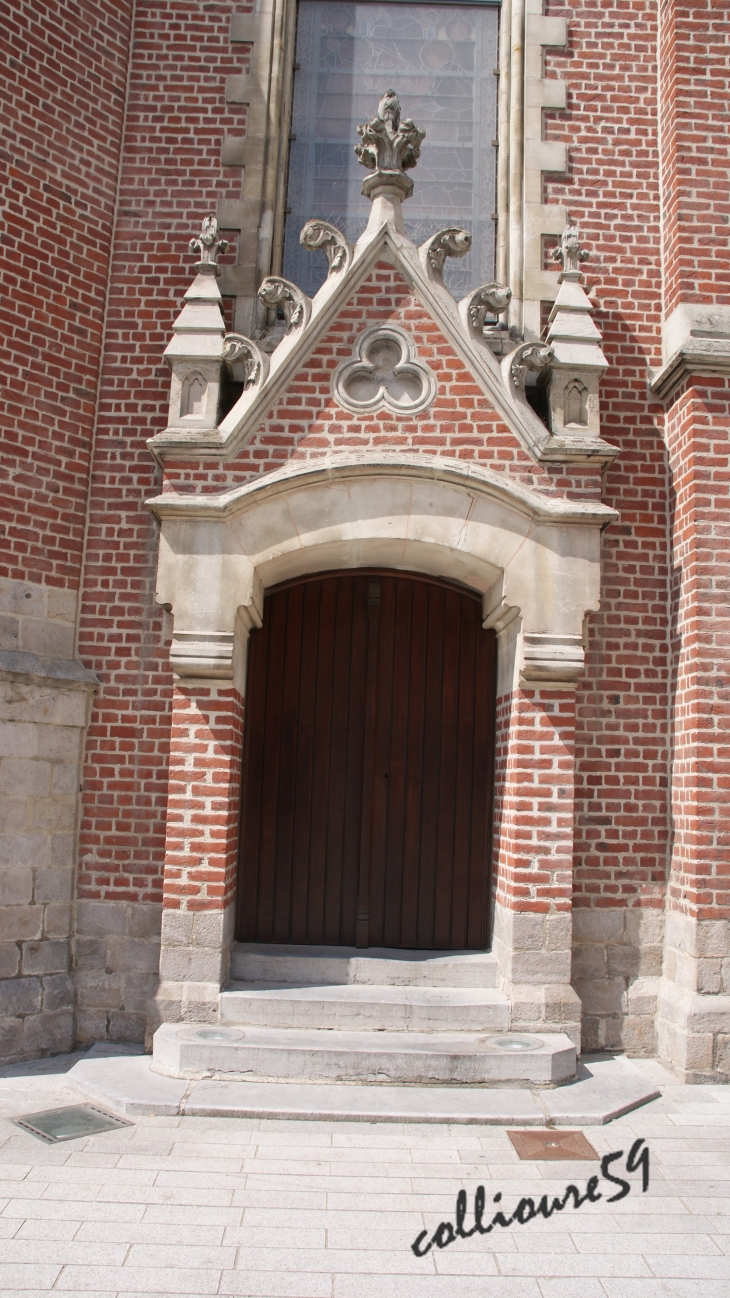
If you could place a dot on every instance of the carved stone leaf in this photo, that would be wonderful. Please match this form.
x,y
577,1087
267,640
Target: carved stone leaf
x,y
325,236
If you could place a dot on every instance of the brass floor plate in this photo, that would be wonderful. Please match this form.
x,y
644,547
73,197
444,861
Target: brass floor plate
x,y
548,1145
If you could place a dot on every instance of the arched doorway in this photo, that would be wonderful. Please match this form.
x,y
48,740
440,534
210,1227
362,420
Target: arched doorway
x,y
368,764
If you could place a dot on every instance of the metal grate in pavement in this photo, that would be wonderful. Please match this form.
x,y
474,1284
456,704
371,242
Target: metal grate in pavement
x,y
70,1123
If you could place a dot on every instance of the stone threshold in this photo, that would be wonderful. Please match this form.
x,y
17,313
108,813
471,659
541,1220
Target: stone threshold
x,y
121,1079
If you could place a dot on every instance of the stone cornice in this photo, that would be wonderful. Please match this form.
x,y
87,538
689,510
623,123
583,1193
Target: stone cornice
x,y
355,465
697,357
60,673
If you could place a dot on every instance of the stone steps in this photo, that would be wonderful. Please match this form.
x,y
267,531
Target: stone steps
x,y
364,1007
425,1058
339,1014
258,963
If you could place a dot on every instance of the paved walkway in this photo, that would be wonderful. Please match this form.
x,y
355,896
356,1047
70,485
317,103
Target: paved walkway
x,y
282,1209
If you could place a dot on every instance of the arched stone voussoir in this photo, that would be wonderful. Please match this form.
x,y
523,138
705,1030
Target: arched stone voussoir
x,y
532,557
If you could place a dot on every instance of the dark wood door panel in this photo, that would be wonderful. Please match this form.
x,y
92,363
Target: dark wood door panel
x,y
368,766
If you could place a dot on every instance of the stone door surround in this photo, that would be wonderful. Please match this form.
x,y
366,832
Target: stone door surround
x,y
535,561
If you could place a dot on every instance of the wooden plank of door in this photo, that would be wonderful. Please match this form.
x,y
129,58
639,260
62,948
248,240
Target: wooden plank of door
x,y
323,768
285,804
454,609
461,900
362,924
393,934
416,708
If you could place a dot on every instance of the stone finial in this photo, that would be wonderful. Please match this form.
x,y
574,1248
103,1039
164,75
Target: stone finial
x,y
194,352
389,147
208,245
578,362
570,254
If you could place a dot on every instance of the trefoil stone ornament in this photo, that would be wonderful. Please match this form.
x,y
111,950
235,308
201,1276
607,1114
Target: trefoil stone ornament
x,y
385,372
208,245
323,235
389,147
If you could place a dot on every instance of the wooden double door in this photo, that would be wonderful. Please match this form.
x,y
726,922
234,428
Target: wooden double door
x,y
368,761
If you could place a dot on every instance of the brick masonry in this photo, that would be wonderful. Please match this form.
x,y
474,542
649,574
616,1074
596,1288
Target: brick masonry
x,y
112,156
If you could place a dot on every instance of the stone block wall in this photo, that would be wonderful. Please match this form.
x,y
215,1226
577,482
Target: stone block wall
x,y
617,965
116,965
42,727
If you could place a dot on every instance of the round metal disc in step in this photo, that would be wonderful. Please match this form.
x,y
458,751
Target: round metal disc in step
x,y
213,1033
512,1043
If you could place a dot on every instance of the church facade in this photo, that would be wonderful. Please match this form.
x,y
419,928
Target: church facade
x,y
365,559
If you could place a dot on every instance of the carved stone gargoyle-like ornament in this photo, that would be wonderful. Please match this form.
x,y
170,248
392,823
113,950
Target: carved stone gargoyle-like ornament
x,y
281,294
480,312
489,300
246,363
451,242
389,147
528,358
325,236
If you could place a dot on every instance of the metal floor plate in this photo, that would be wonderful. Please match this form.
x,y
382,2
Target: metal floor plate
x,y
71,1123
546,1144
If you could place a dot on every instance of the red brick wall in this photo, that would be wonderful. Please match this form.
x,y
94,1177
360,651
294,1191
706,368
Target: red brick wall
x,y
698,436
622,722
201,853
533,801
62,93
695,128
171,178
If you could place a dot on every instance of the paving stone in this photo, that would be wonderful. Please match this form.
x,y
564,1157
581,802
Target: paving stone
x,y
125,1083
611,1088
323,1209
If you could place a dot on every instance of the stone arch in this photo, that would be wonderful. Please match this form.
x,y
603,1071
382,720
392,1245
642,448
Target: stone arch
x,y
534,560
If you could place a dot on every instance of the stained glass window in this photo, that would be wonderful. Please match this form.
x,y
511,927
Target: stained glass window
x,y
440,58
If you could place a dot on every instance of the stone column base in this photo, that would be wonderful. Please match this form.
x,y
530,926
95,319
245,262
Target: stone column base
x,y
194,964
533,953
693,1033
553,1008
